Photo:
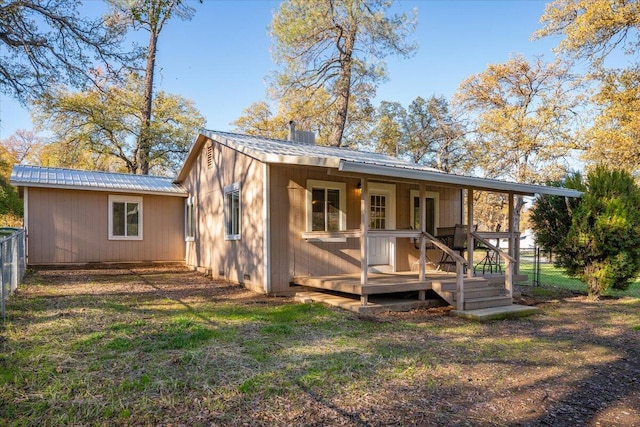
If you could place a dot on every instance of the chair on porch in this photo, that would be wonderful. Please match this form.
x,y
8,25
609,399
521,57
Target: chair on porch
x,y
456,241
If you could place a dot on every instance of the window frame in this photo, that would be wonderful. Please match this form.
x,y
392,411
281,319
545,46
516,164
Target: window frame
x,y
342,197
189,220
415,194
228,215
113,198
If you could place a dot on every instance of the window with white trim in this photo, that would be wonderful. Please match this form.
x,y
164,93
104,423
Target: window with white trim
x,y
326,205
189,220
232,212
432,204
125,217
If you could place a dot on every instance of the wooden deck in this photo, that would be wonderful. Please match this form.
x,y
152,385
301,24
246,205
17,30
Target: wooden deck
x,y
379,283
388,283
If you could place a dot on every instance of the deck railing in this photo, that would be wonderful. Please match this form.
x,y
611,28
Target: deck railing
x,y
13,265
460,263
509,261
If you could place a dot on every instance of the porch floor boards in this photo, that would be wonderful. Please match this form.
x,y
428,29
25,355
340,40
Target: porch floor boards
x,y
378,283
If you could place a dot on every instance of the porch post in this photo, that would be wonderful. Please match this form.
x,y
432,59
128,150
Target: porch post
x,y
470,242
512,238
423,228
511,268
364,231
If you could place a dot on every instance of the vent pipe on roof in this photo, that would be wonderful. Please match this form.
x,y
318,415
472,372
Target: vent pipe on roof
x,y
292,131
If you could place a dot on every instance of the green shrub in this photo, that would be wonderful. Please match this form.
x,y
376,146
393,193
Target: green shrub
x,y
598,237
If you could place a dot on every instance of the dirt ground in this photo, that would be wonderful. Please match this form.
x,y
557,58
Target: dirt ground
x,y
577,363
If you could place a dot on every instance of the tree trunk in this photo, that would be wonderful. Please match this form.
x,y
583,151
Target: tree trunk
x,y
343,91
144,139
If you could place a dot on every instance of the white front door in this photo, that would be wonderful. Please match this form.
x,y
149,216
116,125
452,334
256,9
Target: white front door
x,y
382,217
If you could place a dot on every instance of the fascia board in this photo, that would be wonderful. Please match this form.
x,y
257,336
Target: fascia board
x,y
463,181
104,189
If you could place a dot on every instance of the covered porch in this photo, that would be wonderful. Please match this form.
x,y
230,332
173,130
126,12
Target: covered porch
x,y
458,284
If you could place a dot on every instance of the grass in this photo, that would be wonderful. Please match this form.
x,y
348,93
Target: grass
x,y
149,347
556,277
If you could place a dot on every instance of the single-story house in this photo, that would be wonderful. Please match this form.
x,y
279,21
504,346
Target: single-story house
x,y
272,214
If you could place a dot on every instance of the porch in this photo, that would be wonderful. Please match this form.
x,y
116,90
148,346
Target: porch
x,y
480,292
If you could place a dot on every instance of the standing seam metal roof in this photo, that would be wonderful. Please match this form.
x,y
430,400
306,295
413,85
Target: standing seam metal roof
x,y
346,160
38,176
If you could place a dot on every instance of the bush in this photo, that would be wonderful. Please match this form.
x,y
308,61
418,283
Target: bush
x,y
598,240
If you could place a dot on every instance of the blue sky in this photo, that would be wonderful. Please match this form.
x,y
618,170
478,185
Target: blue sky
x,y
221,57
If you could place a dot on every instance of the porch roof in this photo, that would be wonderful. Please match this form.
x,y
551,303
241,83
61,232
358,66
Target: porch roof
x,y
352,161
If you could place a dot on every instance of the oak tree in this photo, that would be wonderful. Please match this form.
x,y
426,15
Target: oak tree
x,y
102,127
48,42
524,120
593,30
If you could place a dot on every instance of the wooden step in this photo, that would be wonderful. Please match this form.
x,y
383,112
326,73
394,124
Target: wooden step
x,y
487,302
450,284
487,292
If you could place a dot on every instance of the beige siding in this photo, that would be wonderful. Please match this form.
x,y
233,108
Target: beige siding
x,y
70,226
294,256
290,254
240,260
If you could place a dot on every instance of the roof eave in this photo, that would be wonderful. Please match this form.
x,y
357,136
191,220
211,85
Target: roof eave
x,y
93,188
462,181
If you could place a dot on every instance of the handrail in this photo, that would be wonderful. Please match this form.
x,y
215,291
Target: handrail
x,y
508,259
438,244
460,263
492,247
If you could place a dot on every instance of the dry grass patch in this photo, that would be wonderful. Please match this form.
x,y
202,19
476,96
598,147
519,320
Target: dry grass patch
x,y
167,346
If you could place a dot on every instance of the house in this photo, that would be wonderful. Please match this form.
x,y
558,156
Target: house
x,y
272,214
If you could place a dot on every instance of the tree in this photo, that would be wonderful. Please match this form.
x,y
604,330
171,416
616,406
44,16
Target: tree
x,y
525,120
102,125
10,203
338,46
601,246
308,112
23,146
593,29
47,42
425,133
152,16
614,138
551,215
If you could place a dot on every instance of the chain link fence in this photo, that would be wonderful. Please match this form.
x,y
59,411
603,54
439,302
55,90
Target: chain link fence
x,y
538,266
13,265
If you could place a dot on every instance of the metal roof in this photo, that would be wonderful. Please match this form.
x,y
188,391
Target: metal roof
x,y
352,161
38,176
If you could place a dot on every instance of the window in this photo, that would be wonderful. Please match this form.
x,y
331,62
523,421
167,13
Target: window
x,y
232,212
326,203
432,204
189,220
125,218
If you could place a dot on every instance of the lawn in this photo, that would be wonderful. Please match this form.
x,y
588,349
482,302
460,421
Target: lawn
x,y
167,346
551,276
